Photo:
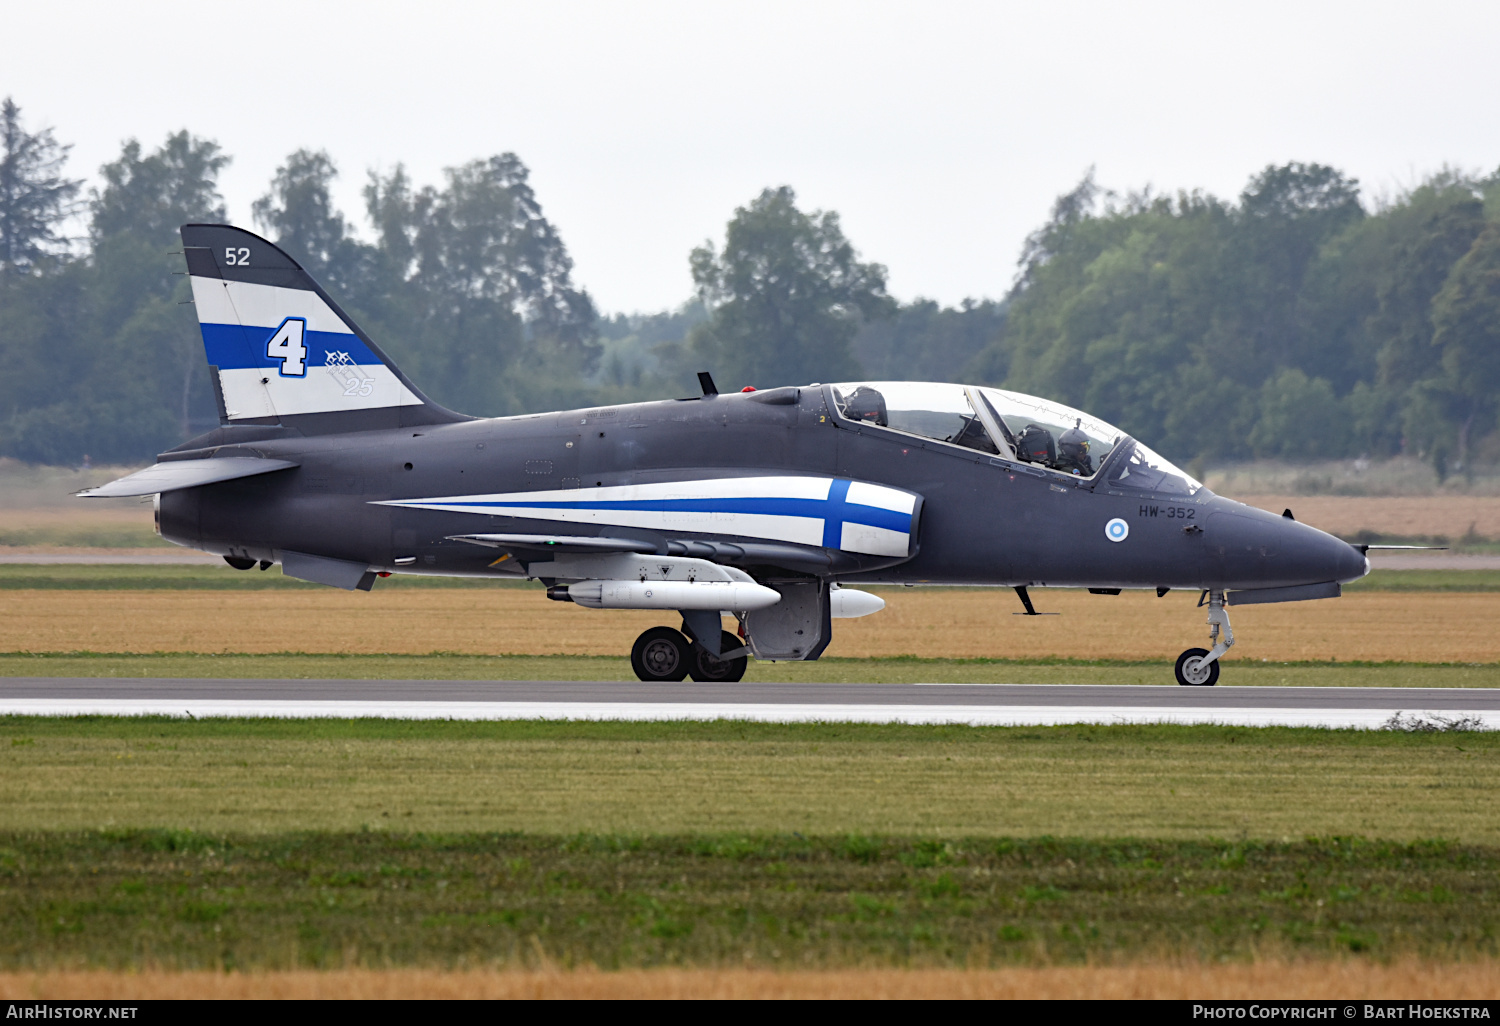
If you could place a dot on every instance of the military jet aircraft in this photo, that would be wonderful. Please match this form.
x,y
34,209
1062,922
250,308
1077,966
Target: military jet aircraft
x,y
764,505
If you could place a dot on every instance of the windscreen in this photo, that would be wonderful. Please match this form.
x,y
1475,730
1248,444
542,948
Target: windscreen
x,y
1143,470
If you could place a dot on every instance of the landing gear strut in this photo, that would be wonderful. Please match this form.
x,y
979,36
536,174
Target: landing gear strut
x,y
1199,667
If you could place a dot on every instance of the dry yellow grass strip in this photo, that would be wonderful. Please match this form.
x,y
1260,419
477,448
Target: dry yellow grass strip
x,y
1349,980
1418,627
1404,516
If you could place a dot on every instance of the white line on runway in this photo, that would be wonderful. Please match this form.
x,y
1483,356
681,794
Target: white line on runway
x,y
976,715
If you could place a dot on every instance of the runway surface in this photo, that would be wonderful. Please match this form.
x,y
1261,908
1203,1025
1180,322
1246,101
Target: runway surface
x,y
979,704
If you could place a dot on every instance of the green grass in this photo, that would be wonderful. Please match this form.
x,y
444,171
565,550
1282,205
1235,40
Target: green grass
x,y
1177,783
153,842
1428,580
180,900
831,669
86,536
221,577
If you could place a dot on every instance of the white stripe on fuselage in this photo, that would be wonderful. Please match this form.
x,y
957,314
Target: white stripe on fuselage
x,y
573,505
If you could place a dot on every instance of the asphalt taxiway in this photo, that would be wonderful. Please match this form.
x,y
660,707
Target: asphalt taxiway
x,y
980,704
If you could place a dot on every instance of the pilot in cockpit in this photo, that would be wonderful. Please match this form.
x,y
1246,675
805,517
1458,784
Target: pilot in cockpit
x,y
1069,454
866,404
1073,452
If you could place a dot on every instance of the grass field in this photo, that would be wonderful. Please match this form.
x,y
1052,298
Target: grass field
x,y
1198,860
1436,623
234,902
1175,783
486,858
1434,627
1454,517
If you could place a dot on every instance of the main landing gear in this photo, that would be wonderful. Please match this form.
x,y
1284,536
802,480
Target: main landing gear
x,y
1199,667
662,654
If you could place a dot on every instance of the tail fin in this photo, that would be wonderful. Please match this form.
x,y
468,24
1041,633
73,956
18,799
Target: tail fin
x,y
281,351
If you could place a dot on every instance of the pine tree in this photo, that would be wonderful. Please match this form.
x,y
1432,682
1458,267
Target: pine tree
x,y
35,198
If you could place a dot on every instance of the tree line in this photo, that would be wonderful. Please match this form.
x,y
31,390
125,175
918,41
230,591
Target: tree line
x,y
1297,321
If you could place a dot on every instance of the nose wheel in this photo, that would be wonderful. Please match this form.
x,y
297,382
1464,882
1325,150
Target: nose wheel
x,y
1198,667
1193,671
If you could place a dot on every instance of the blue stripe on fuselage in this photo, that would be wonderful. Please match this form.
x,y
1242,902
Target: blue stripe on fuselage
x,y
834,510
232,347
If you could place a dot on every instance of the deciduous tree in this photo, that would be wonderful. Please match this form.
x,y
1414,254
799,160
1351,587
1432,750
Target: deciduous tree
x,y
788,293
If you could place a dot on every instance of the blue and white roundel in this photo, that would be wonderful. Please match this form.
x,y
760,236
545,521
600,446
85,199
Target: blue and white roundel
x,y
1117,530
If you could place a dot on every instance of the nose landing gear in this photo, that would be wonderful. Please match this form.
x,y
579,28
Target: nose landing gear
x,y
1199,667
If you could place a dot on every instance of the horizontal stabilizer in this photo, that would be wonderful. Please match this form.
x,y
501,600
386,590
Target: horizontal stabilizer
x,y
169,477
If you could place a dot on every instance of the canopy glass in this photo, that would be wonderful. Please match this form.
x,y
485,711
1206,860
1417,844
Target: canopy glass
x,y
1013,426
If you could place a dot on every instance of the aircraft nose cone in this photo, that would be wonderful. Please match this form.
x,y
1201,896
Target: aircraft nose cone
x,y
1249,548
1353,564
1326,558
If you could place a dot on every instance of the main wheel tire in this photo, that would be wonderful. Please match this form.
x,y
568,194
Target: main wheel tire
x,y
1191,671
660,654
706,668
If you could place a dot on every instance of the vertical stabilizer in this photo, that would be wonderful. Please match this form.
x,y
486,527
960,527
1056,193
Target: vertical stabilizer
x,y
282,350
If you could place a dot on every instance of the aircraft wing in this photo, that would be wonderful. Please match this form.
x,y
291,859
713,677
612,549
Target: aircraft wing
x,y
175,474
803,557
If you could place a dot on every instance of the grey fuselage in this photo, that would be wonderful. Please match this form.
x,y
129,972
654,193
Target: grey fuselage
x,y
983,520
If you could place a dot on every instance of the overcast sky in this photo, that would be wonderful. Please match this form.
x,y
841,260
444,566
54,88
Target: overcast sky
x,y
941,132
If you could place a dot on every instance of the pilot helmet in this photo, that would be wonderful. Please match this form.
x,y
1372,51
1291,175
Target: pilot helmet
x,y
1036,445
868,405
1074,444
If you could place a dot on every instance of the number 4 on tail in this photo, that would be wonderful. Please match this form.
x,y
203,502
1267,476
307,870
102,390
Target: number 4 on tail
x,y
286,345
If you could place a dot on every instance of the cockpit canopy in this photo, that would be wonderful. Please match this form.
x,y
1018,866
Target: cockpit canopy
x,y
1015,427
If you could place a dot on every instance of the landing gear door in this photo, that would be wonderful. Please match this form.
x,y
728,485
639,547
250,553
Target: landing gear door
x,y
798,627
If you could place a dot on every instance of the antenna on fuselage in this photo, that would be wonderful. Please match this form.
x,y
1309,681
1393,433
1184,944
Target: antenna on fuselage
x,y
707,381
1025,598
